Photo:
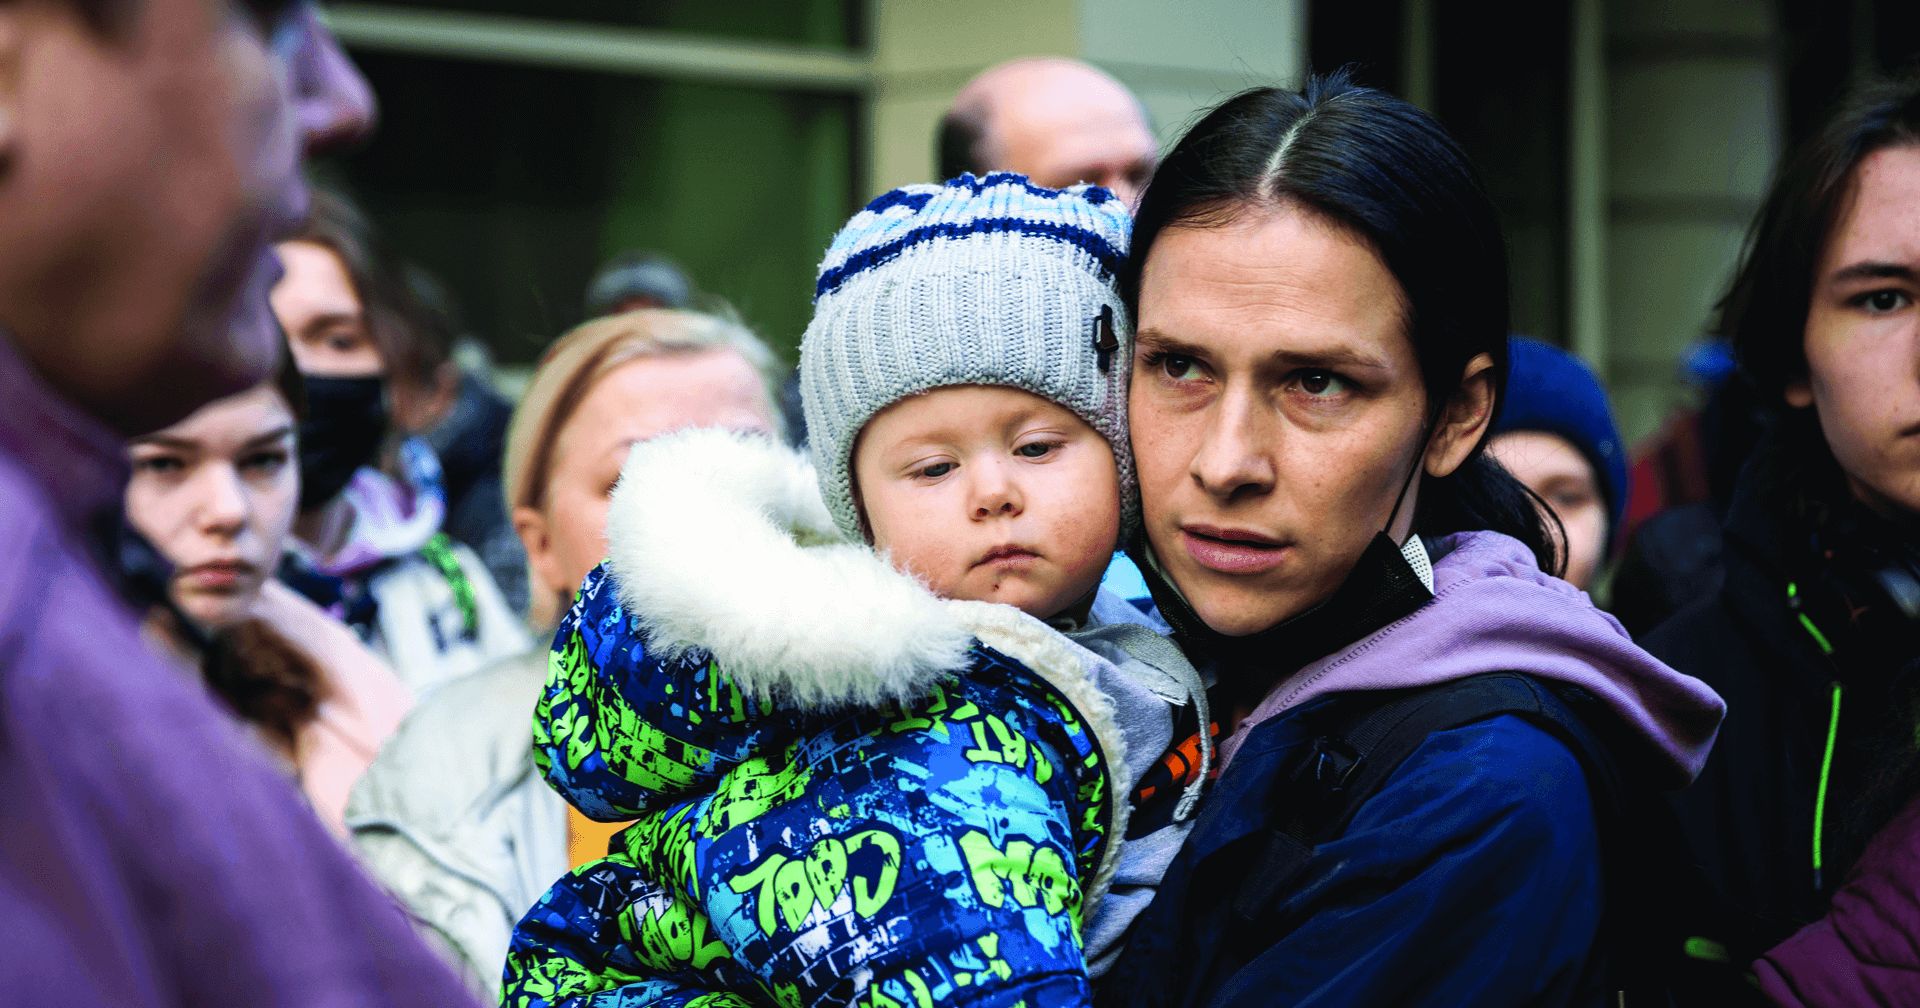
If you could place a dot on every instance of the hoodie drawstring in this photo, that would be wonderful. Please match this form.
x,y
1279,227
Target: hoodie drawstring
x,y
1833,730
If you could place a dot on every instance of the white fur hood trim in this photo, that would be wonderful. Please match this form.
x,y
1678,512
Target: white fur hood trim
x,y
719,540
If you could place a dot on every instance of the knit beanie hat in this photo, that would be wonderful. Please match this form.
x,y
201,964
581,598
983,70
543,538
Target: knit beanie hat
x,y
1550,390
980,281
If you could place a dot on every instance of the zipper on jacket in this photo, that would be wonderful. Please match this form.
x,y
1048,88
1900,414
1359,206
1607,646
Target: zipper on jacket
x,y
1826,765
1833,731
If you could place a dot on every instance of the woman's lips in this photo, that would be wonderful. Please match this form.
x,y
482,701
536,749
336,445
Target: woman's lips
x,y
1231,552
218,576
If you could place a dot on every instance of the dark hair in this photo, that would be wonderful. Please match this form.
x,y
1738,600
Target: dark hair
x,y
1390,173
289,383
265,678
412,346
957,147
1764,313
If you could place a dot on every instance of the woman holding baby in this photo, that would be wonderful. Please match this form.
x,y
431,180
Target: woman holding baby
x,y
855,779
1320,296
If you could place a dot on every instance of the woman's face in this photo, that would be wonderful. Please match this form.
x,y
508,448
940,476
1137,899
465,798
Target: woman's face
x,y
1553,468
1863,336
1277,407
216,493
325,321
635,401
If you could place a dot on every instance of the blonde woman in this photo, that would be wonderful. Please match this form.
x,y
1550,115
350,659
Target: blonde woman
x,y
453,815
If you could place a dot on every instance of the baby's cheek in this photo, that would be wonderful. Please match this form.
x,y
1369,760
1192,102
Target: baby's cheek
x,y
926,554
1084,542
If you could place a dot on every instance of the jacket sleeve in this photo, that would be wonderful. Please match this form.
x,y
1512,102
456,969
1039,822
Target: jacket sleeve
x,y
607,935
948,869
1471,878
1866,950
619,728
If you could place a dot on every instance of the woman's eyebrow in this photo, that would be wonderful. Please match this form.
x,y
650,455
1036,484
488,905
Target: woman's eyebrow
x,y
1342,357
1870,269
164,441
1338,356
1161,342
282,431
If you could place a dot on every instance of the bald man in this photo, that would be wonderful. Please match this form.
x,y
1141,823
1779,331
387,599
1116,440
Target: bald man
x,y
1056,121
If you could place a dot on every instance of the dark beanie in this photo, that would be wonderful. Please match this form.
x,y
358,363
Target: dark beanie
x,y
1550,390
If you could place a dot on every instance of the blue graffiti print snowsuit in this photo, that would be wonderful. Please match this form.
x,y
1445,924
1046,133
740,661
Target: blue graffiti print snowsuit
x,y
847,790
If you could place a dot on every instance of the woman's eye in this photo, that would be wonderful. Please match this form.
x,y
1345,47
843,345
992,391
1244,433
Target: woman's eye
x,y
265,462
345,343
1180,368
1882,302
1036,449
160,465
1570,500
1321,383
936,470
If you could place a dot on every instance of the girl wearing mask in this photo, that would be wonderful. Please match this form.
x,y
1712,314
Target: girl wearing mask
x,y
216,494
375,552
454,817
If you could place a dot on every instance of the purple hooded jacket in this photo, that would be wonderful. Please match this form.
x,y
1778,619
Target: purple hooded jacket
x,y
1493,610
148,856
1866,950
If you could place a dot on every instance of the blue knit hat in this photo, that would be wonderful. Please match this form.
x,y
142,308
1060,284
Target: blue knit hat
x,y
980,281
1550,390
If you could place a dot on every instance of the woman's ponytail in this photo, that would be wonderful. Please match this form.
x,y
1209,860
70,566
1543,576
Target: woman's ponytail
x,y
1482,494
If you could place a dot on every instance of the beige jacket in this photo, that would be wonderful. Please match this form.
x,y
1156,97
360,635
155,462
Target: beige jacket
x,y
455,819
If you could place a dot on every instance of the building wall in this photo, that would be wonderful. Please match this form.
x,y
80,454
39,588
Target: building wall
x,y
1693,129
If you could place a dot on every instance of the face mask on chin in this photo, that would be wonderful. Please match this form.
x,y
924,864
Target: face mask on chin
x,y
346,419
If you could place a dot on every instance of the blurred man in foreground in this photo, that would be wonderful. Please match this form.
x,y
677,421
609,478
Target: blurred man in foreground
x,y
149,157
1056,121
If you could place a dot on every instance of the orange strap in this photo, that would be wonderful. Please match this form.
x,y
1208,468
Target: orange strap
x,y
587,840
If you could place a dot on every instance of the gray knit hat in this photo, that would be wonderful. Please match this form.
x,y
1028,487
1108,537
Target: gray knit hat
x,y
981,281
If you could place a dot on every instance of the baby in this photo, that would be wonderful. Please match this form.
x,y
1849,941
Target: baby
x,y
856,780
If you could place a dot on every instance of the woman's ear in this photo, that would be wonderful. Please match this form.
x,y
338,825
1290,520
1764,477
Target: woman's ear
x,y
12,54
1469,410
1798,392
538,539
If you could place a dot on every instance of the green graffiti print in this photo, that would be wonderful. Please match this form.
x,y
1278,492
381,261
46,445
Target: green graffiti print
x,y
1022,873
786,889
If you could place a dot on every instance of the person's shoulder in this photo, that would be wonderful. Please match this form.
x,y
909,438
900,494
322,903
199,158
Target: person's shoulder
x,y
1504,769
468,737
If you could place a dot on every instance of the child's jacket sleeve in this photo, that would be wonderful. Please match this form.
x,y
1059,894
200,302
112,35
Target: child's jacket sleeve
x,y
618,729
936,853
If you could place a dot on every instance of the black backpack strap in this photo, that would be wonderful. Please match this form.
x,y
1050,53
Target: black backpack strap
x,y
1369,735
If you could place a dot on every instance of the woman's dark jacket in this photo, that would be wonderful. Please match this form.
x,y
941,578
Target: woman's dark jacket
x,y
1473,876
1793,588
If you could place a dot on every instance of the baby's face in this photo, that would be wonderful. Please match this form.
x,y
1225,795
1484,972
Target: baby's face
x,y
991,494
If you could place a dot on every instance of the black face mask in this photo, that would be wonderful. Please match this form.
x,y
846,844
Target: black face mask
x,y
346,418
1381,588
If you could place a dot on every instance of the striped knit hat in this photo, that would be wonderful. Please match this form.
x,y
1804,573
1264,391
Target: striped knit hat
x,y
981,281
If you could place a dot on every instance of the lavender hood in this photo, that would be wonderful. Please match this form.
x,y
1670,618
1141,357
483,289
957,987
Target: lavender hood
x,y
1494,610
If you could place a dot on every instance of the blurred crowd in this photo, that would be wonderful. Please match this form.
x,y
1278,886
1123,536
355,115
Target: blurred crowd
x,y
292,590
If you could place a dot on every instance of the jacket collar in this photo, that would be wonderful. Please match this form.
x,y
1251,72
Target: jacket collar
x,y
1386,584
80,463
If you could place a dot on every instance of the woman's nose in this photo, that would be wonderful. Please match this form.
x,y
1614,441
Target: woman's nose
x,y
1235,459
224,509
334,103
